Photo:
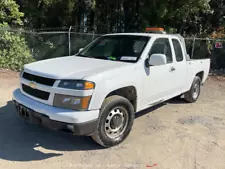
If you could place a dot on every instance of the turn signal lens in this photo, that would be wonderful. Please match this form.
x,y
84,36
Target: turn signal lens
x,y
85,102
89,85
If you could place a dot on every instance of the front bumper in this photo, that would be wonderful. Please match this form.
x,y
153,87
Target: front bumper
x,y
75,122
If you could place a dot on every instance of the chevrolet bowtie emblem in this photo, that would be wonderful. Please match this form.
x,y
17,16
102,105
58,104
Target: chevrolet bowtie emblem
x,y
33,85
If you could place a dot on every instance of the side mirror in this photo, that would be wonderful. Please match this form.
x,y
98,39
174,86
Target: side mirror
x,y
80,49
156,60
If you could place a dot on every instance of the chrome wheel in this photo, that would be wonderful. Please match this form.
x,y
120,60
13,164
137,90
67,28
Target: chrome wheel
x,y
196,90
116,122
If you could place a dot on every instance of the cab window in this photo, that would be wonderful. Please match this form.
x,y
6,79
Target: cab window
x,y
178,50
162,46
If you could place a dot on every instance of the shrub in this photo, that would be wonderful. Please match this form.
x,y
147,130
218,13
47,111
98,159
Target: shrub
x,y
14,52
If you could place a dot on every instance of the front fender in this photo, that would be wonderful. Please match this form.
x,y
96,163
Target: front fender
x,y
103,89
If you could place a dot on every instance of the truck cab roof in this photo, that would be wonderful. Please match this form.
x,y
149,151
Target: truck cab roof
x,y
141,34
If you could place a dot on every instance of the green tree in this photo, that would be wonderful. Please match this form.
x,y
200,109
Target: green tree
x,y
177,14
9,12
116,16
14,52
48,13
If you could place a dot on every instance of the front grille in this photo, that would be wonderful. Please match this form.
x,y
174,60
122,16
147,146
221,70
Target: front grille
x,y
38,79
35,92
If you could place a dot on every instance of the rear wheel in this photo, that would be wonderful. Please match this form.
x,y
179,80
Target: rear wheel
x,y
115,121
193,94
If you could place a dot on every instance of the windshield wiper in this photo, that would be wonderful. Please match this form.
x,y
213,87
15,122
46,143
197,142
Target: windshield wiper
x,y
106,57
99,57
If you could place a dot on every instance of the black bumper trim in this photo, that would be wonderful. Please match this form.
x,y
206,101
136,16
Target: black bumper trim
x,y
33,117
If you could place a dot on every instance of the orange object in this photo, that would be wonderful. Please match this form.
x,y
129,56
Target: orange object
x,y
89,85
154,29
85,102
149,166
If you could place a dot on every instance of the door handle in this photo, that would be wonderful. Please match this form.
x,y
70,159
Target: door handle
x,y
172,69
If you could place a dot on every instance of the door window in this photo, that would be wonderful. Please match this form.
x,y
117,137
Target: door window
x,y
162,46
178,50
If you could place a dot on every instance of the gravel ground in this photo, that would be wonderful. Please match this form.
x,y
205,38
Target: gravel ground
x,y
175,135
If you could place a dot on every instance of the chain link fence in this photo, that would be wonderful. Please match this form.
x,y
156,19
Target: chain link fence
x,y
200,48
50,44
45,45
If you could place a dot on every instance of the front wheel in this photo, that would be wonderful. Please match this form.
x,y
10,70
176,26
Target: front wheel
x,y
115,121
192,95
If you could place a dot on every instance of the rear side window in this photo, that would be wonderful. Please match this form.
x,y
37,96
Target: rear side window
x,y
162,46
178,50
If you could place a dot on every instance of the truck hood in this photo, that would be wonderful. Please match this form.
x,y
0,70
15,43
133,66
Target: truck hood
x,y
71,67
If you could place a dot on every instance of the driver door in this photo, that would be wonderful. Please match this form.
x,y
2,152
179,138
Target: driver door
x,y
158,82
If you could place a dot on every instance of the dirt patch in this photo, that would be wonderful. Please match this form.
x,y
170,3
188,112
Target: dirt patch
x,y
208,122
191,120
7,74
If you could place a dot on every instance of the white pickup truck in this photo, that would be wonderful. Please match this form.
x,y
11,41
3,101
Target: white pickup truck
x,y
98,91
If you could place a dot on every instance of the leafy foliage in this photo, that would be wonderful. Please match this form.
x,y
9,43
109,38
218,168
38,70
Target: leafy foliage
x,y
218,34
14,52
9,12
49,46
187,17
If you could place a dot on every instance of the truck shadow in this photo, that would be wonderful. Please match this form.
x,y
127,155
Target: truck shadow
x,y
20,141
148,110
177,101
151,109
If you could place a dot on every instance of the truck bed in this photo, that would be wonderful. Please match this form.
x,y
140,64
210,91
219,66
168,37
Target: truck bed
x,y
199,66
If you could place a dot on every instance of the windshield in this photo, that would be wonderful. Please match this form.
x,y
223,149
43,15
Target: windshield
x,y
125,48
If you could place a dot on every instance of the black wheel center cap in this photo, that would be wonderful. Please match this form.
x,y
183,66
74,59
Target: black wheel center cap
x,y
116,122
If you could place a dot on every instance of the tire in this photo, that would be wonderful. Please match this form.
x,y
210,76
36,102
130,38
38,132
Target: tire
x,y
110,111
192,95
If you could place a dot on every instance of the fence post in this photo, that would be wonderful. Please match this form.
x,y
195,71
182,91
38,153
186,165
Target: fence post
x,y
93,36
32,48
69,42
193,48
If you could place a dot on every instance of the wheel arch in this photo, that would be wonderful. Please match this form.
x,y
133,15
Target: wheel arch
x,y
128,92
200,75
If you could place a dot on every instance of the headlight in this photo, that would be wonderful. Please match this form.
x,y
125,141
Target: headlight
x,y
76,84
71,102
